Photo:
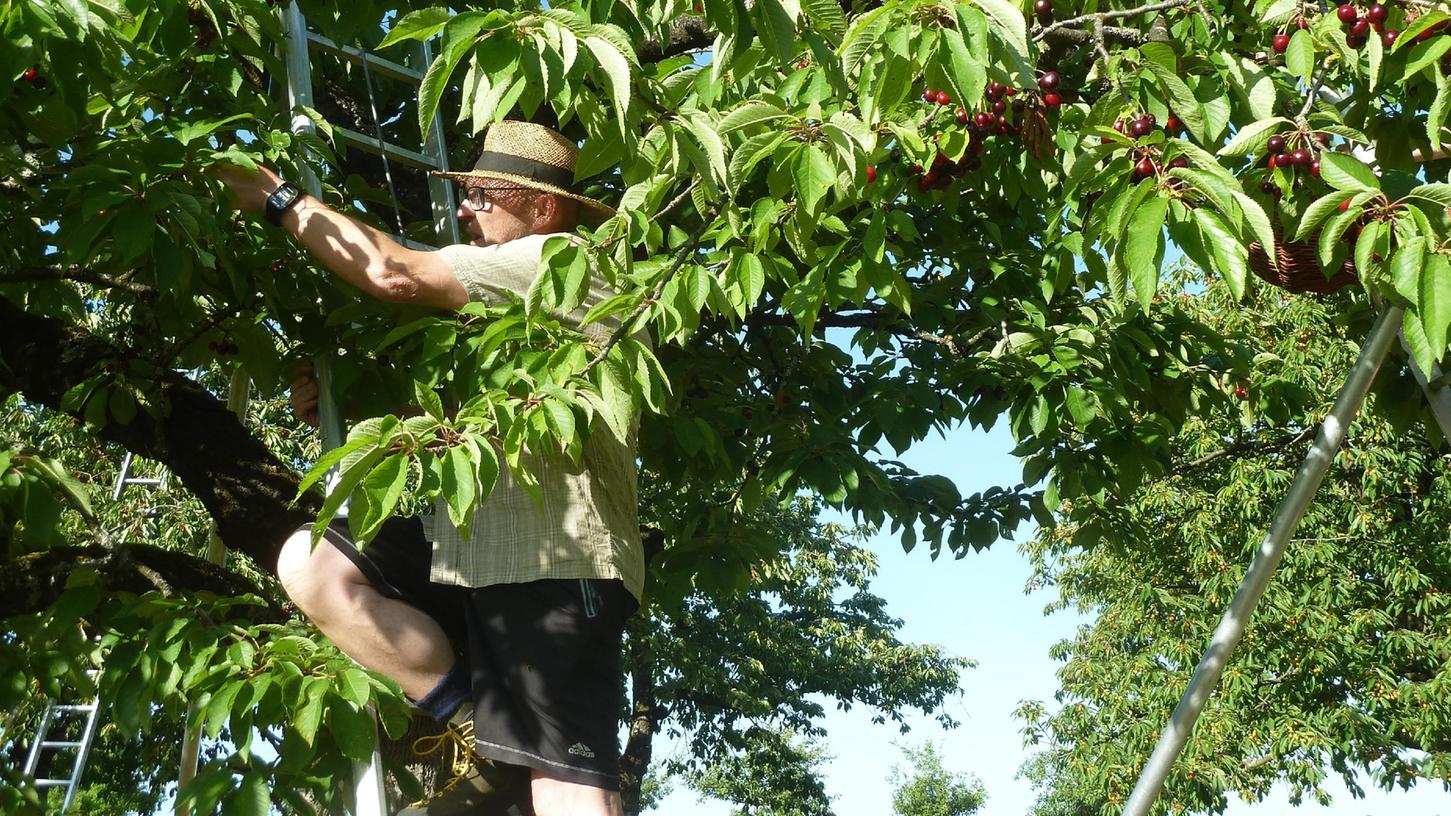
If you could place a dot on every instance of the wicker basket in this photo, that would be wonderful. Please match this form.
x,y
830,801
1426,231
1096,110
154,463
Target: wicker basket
x,y
1299,268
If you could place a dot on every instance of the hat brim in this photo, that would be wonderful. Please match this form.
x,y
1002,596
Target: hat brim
x,y
596,209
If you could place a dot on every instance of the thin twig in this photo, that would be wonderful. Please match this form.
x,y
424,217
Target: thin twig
x,y
1099,18
619,334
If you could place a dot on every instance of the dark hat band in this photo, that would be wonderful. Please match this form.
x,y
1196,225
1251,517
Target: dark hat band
x,y
495,162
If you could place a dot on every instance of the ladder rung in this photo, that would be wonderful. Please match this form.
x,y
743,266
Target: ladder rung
x,y
75,708
370,144
52,783
383,66
131,480
61,744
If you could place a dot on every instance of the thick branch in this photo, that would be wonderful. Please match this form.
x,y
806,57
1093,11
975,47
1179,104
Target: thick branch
x,y
43,273
688,33
635,760
33,582
244,488
1247,448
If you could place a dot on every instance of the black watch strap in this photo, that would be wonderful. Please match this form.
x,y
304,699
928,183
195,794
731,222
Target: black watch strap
x,y
281,199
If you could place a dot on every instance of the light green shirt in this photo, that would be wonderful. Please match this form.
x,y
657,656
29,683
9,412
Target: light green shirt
x,y
588,523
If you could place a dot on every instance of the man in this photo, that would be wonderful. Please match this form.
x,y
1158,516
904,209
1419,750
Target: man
x,y
536,599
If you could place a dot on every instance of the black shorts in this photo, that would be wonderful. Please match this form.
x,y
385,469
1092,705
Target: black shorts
x,y
544,656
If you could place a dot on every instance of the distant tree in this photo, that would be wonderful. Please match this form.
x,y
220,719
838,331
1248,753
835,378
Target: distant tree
x,y
1342,671
927,788
740,676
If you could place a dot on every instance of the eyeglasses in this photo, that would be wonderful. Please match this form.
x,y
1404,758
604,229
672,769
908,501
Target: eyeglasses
x,y
480,197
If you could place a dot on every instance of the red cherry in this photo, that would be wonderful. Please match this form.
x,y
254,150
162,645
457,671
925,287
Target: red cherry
x,y
1315,169
1179,161
1141,127
699,9
943,98
1000,107
1345,205
31,75
1389,38
1044,10
1145,168
929,95
1241,392
871,174
1360,28
1377,13
1010,91
1323,138
1355,42
1302,24
1280,43
962,116
1276,144
916,169
1347,13
1172,125
1052,100
1048,81
995,90
1301,156
1118,125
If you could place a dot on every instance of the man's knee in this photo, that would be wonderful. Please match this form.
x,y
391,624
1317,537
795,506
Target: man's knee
x,y
315,578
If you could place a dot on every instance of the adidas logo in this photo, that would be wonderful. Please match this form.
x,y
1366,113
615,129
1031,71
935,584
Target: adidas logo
x,y
581,750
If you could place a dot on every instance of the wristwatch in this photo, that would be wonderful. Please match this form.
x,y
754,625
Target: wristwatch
x,y
281,200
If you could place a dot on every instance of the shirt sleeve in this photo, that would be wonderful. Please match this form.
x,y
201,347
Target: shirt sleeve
x,y
490,274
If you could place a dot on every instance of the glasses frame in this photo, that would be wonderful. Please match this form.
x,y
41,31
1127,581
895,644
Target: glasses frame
x,y
469,195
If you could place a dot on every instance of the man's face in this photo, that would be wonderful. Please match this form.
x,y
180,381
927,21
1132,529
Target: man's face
x,y
493,212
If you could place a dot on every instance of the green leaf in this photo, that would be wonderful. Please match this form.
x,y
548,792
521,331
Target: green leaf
x,y
1317,212
1181,99
1437,115
617,69
350,478
249,798
459,483
1406,267
827,15
861,39
458,37
1300,56
814,175
1416,341
1434,304
1259,223
1346,172
428,400
751,113
1252,137
1437,193
353,729
1231,259
965,73
1330,235
417,25
776,23
383,486
1010,23
705,133
1143,242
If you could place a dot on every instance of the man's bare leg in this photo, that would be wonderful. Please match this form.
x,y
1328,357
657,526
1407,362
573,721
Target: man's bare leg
x,y
382,634
555,797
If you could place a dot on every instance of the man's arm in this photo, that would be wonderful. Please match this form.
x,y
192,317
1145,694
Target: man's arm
x,y
359,254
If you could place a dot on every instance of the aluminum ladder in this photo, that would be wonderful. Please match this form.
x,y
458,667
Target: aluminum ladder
x,y
53,713
369,791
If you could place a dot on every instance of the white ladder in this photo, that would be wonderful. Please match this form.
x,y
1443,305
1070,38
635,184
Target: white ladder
x,y
369,791
52,713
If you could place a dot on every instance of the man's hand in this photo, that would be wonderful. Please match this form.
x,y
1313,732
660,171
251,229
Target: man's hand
x,y
249,188
304,394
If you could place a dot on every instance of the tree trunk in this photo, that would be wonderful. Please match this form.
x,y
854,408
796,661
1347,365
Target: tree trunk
x,y
635,760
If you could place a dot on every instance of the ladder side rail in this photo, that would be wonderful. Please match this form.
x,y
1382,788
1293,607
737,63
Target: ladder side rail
x,y
1262,568
83,752
32,760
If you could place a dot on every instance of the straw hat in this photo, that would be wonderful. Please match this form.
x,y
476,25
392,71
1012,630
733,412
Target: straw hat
x,y
531,156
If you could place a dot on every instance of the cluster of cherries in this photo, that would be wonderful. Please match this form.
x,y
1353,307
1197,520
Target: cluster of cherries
x,y
1147,158
1358,26
1280,152
222,348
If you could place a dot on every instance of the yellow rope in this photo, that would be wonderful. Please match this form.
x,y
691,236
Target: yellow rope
x,y
460,738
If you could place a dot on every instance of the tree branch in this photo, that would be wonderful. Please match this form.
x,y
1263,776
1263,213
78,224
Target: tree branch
x,y
1249,447
244,488
35,581
49,273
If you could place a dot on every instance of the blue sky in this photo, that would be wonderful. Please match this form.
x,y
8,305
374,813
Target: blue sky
x,y
976,607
